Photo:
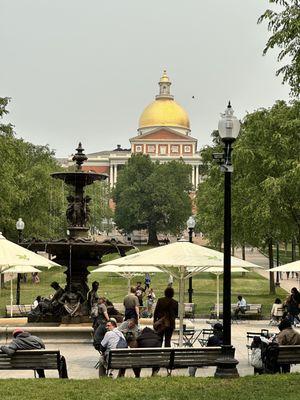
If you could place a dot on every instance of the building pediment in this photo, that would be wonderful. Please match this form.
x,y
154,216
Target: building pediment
x,y
164,134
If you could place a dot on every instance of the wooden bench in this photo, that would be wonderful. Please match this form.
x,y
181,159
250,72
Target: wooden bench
x,y
251,310
34,360
16,310
167,357
289,354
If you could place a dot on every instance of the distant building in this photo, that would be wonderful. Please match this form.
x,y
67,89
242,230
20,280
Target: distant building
x,y
164,134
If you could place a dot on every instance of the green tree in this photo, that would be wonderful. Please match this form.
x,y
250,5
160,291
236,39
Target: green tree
x,y
265,189
152,195
27,190
285,28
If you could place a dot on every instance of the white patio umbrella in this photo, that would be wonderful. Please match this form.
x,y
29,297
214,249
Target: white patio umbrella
x,y
18,269
12,254
219,271
290,267
128,272
176,259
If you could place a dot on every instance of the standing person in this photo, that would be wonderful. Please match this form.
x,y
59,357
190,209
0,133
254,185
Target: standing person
x,y
292,304
150,301
241,306
111,340
24,341
139,292
131,304
166,309
215,340
170,280
147,281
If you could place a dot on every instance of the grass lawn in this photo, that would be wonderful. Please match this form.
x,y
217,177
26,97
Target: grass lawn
x,y
264,387
252,286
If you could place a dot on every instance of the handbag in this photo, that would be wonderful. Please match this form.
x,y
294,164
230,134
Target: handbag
x,y
94,310
161,324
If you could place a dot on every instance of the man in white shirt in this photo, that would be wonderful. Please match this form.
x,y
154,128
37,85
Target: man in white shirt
x,y
241,306
109,342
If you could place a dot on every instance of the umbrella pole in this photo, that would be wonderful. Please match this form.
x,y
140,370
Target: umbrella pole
x,y
128,285
11,297
218,296
181,306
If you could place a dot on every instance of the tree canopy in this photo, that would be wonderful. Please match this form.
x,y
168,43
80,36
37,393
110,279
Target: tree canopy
x,y
153,196
284,24
27,190
266,189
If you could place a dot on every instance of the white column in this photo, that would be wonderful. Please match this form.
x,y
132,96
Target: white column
x,y
115,173
193,176
111,176
197,176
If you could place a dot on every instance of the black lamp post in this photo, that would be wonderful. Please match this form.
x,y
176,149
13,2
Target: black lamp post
x,y
190,223
20,227
228,127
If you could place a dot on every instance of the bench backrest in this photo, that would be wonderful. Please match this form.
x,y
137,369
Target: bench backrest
x,y
249,307
128,358
189,307
195,357
289,354
170,358
31,359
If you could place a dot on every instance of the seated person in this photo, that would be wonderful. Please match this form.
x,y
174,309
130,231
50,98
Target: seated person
x,y
110,341
241,306
277,311
215,340
147,338
24,341
129,328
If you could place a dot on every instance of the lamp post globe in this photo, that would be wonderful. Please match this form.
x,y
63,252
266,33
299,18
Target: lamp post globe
x,y
20,225
229,125
190,223
229,128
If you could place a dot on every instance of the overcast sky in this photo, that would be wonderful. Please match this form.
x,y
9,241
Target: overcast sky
x,y
84,70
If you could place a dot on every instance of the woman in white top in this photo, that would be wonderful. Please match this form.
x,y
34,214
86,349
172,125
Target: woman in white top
x,y
277,310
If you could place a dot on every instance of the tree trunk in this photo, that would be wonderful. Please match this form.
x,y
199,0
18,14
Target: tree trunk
x,y
285,248
2,281
232,251
243,252
293,249
152,239
271,265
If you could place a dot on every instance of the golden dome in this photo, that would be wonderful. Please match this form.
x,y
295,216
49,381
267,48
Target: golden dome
x,y
164,112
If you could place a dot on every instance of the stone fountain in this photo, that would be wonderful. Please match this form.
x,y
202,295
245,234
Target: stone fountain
x,y
78,251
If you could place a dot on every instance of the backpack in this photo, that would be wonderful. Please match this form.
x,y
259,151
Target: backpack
x,y
122,344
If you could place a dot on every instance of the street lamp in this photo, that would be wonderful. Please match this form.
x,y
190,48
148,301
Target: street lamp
x,y
20,227
229,128
190,223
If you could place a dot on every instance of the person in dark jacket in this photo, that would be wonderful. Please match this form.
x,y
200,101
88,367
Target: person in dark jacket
x,y
147,338
167,307
215,340
24,341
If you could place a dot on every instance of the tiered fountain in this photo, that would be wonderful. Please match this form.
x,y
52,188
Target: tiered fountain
x,y
78,251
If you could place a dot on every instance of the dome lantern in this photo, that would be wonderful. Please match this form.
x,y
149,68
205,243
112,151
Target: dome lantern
x,y
164,87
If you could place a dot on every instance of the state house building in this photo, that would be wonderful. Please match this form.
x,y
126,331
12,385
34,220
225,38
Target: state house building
x,y
164,134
